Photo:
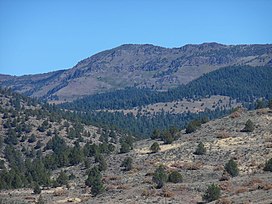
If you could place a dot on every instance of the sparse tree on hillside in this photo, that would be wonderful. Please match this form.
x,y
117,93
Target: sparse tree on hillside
x,y
268,165
270,104
212,193
62,179
200,150
232,168
37,189
125,148
175,177
160,176
127,164
155,147
190,128
155,134
94,181
260,104
167,137
249,126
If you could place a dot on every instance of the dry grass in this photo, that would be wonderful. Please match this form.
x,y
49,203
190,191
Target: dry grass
x,y
187,165
111,178
167,193
123,187
225,186
223,201
241,190
223,135
148,192
147,181
262,111
267,186
59,192
235,114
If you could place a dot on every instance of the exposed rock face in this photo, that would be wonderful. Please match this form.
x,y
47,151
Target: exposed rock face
x,y
138,65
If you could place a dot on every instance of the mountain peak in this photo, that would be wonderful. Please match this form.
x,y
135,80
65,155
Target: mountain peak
x,y
140,65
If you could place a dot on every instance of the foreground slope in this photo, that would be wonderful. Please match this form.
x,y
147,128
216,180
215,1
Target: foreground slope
x,y
138,65
223,140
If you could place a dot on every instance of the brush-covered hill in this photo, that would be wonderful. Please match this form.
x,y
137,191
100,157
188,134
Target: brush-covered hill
x,y
231,138
134,65
38,142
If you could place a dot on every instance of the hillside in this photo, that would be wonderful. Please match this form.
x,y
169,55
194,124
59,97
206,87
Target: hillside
x,y
242,83
137,66
37,141
223,139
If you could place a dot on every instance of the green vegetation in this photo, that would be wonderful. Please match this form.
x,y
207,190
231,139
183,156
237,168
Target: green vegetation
x,y
160,176
37,189
127,164
260,104
270,104
232,168
268,165
94,181
242,82
29,166
62,179
212,193
249,126
200,150
175,177
155,147
126,144
192,126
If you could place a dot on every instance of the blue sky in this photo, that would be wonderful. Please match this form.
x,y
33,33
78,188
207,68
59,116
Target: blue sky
x,y
45,35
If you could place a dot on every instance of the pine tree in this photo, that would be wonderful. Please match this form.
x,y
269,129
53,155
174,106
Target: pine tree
x,y
94,181
212,193
175,177
155,147
200,150
160,176
62,179
268,165
127,164
232,168
249,126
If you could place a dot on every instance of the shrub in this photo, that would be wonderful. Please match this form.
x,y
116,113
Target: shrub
x,y
190,128
125,148
232,168
167,137
155,147
37,189
212,193
270,104
260,104
200,150
94,181
268,165
249,126
155,134
62,179
127,164
32,138
160,176
175,177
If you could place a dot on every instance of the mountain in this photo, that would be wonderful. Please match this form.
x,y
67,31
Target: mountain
x,y
133,65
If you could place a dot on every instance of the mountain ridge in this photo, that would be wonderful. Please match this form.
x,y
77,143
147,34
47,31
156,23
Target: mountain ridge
x,y
137,65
